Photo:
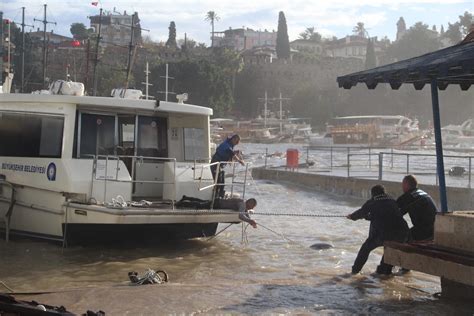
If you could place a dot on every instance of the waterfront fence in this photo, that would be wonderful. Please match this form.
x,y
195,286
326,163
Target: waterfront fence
x,y
382,163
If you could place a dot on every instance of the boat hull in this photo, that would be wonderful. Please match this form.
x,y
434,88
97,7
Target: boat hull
x,y
87,234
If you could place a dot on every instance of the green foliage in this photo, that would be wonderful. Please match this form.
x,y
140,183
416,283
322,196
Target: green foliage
x,y
418,40
171,42
311,35
207,82
370,59
453,33
79,31
465,22
282,41
360,30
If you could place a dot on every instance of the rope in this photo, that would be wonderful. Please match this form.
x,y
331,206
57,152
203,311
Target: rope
x,y
298,214
222,230
6,286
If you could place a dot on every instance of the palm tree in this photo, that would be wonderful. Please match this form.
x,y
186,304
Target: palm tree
x,y
211,16
360,29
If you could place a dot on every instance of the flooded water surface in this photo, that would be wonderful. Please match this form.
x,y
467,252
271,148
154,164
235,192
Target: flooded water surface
x,y
269,274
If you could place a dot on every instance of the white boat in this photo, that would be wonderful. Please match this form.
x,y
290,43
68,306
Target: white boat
x,y
86,169
370,130
461,136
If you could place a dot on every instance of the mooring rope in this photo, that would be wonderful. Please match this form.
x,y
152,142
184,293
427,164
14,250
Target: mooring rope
x,y
297,214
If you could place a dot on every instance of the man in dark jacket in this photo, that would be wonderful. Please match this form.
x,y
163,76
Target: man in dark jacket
x,y
386,223
224,153
421,208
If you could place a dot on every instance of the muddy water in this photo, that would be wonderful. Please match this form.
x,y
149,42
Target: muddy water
x,y
267,275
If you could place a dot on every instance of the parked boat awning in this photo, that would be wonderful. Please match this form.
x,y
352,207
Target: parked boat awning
x,y
451,65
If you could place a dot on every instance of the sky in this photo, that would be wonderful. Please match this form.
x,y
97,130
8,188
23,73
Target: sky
x,y
330,18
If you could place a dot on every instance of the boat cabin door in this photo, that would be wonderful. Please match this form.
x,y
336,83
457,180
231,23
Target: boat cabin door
x,y
151,150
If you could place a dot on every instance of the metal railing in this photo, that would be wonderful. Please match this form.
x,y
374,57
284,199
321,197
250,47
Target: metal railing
x,y
233,183
135,160
386,163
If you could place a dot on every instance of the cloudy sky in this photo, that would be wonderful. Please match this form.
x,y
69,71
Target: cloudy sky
x,y
331,18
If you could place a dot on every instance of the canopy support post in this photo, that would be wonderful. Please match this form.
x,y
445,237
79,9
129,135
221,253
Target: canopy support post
x,y
439,146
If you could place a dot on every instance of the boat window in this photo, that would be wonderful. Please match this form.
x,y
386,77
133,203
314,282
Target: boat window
x,y
31,135
152,137
194,148
97,134
126,136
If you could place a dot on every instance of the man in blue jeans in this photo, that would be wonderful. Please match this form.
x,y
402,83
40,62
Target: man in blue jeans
x,y
386,223
224,153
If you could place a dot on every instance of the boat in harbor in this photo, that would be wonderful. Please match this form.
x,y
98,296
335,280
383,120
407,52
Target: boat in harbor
x,y
369,130
85,169
459,136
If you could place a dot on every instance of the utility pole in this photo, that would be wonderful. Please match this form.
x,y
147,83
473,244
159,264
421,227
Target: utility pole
x,y
1,47
45,23
88,49
96,59
130,51
22,74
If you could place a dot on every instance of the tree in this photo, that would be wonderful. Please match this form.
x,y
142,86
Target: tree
x,y
360,29
453,33
171,42
466,21
441,31
418,40
212,17
79,31
370,59
282,41
310,35
401,28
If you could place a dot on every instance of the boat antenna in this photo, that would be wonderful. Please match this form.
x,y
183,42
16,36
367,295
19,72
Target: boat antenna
x,y
45,23
166,76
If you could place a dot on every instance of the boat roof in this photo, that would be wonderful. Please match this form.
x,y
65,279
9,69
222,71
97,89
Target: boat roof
x,y
371,116
217,120
110,103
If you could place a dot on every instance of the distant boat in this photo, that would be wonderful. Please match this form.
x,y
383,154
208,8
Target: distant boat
x,y
461,136
369,130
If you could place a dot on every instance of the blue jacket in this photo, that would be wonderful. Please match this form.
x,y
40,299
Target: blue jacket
x,y
224,152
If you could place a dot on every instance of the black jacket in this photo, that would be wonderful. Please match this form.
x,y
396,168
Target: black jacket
x,y
386,221
422,210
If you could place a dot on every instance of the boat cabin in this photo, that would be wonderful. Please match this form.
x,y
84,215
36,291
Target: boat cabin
x,y
98,148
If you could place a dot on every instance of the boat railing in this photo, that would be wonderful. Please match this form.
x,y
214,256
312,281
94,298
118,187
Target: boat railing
x,y
135,160
219,165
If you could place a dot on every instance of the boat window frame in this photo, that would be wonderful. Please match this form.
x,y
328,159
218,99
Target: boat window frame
x,y
43,114
79,129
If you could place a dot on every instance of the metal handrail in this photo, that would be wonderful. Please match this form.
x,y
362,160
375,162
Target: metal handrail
x,y
118,159
215,184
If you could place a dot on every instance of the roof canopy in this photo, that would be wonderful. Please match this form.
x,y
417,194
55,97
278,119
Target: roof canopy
x,y
452,65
